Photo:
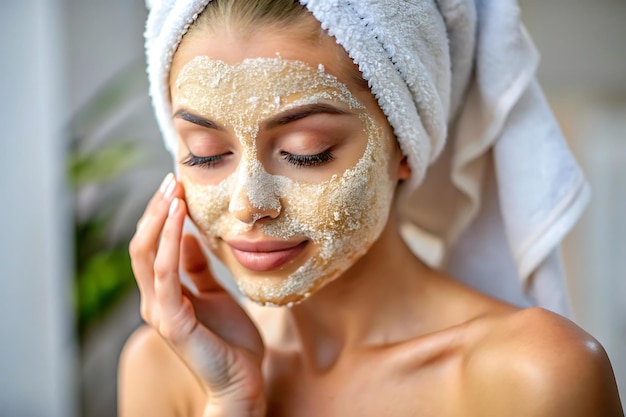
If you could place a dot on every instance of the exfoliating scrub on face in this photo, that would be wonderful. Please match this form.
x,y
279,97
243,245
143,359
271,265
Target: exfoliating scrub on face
x,y
339,218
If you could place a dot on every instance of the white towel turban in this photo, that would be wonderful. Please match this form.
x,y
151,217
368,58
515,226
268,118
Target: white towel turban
x,y
494,187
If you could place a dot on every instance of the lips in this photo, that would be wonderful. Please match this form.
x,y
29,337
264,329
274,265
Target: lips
x,y
263,256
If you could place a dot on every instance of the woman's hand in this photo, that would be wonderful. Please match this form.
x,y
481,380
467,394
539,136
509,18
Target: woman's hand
x,y
208,329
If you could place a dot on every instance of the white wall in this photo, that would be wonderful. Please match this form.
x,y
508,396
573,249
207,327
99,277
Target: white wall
x,y
37,348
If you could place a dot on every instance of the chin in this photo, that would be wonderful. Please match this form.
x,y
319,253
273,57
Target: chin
x,y
286,289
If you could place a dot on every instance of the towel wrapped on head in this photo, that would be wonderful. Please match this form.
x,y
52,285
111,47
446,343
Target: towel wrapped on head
x,y
494,187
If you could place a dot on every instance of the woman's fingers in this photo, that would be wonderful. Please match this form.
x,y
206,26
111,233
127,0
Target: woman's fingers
x,y
149,226
145,242
195,264
177,318
203,350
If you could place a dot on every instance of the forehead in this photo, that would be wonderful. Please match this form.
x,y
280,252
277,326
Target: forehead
x,y
218,87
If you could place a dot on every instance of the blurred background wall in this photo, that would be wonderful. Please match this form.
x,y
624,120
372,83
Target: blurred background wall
x,y
38,353
72,88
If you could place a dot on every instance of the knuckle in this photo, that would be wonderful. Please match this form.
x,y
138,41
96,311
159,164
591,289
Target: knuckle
x,y
136,247
179,327
174,334
162,268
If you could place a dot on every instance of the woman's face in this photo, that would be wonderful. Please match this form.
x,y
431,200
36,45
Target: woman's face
x,y
289,166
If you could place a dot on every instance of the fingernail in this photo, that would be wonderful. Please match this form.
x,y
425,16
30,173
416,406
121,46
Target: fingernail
x,y
170,188
166,182
173,207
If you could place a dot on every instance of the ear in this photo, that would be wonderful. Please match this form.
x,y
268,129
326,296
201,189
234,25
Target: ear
x,y
404,170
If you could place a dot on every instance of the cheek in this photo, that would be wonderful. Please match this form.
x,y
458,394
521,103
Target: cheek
x,y
206,204
333,207
357,201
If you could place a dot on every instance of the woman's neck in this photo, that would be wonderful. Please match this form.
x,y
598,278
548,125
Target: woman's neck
x,y
376,302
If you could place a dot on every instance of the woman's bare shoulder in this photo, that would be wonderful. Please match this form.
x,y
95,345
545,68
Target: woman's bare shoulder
x,y
534,362
152,379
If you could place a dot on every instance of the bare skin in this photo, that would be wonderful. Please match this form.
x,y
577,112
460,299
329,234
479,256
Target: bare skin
x,y
389,337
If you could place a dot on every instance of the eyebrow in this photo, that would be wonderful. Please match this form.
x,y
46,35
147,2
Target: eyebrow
x,y
282,119
301,112
196,119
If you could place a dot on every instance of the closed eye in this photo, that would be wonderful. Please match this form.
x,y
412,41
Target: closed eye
x,y
204,161
306,161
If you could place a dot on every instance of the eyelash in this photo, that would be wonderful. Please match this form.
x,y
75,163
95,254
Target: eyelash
x,y
203,161
306,161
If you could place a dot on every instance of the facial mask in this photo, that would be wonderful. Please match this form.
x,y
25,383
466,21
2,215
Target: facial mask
x,y
342,216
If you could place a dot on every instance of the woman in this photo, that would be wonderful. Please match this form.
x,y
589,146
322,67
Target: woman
x,y
291,157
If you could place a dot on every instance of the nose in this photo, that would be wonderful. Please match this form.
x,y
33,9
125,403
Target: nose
x,y
255,196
